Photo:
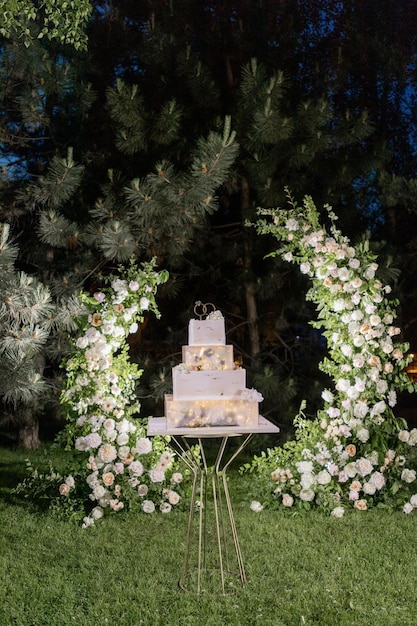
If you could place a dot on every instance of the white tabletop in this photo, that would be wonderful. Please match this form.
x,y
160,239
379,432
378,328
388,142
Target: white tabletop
x,y
158,426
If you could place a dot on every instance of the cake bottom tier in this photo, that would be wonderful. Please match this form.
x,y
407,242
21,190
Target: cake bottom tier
x,y
206,413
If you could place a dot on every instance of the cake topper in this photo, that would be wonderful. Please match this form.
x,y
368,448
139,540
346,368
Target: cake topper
x,y
202,310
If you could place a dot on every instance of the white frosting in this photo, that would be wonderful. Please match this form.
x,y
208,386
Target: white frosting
x,y
208,332
209,384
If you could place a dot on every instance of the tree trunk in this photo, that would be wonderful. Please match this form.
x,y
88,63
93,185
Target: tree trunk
x,y
28,437
251,307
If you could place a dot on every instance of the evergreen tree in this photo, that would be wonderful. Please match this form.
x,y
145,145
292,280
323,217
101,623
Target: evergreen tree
x,y
32,337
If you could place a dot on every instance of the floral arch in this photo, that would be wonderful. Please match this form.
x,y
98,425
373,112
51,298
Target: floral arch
x,y
115,465
356,453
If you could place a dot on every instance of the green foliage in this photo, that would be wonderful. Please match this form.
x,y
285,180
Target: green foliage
x,y
61,20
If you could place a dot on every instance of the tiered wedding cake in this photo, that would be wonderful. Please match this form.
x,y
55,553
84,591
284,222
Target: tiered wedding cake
x,y
208,388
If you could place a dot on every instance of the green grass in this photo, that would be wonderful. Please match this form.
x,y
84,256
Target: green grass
x,y
360,570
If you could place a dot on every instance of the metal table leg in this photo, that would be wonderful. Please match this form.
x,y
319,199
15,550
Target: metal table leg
x,y
201,472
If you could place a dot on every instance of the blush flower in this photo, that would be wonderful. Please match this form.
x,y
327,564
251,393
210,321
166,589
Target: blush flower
x,y
173,497
107,453
361,505
287,500
156,475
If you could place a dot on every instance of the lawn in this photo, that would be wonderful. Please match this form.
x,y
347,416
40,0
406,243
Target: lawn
x,y
308,569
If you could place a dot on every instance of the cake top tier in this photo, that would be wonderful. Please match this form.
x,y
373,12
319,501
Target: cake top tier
x,y
207,332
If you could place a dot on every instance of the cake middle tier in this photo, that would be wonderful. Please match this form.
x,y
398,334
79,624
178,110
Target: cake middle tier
x,y
207,384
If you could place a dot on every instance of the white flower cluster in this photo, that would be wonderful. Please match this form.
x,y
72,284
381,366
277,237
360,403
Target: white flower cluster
x,y
100,396
215,315
251,395
360,449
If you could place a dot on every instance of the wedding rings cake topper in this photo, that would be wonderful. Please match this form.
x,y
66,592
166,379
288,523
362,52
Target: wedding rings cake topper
x,y
203,310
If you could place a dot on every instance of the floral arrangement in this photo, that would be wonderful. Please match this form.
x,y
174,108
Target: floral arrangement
x,y
356,452
120,466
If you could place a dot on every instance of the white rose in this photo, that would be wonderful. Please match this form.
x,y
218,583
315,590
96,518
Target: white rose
x,y
350,470
143,445
408,476
81,444
136,468
339,304
304,466
363,435
369,489
404,435
98,492
307,495
307,480
256,506
70,482
381,386
124,452
156,475
364,466
148,506
342,385
378,408
122,439
64,489
107,453
327,396
323,477
97,513
291,224
176,478
413,437
82,342
360,409
338,511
